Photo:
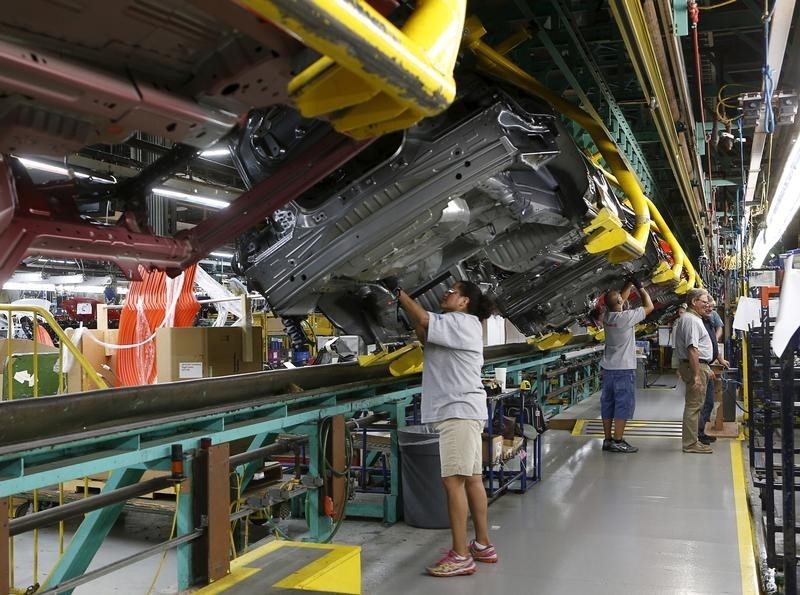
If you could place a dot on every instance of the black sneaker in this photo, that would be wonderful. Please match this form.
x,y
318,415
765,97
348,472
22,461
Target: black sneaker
x,y
706,439
621,446
607,443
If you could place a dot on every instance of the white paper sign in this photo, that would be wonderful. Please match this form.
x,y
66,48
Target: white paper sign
x,y
84,308
190,369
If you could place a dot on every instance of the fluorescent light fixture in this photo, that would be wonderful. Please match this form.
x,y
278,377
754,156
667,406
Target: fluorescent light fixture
x,y
782,209
66,279
26,277
71,288
216,263
28,286
227,255
61,171
216,153
94,289
191,198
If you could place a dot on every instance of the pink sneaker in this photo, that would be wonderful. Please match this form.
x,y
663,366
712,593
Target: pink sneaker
x,y
453,565
480,553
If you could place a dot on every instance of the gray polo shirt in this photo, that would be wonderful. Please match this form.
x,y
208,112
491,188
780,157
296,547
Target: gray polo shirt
x,y
451,373
690,330
620,351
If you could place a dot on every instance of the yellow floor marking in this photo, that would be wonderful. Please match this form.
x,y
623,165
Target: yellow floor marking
x,y
237,575
577,430
337,571
747,561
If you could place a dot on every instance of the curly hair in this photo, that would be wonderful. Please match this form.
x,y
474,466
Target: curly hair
x,y
480,304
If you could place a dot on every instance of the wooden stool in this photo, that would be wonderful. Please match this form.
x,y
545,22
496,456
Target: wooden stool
x,y
720,428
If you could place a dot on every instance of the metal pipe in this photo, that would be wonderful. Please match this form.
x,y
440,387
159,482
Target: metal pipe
x,y
638,41
67,586
51,420
678,89
26,420
53,515
285,445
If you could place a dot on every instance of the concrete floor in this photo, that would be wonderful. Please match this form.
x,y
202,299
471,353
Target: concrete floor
x,y
655,522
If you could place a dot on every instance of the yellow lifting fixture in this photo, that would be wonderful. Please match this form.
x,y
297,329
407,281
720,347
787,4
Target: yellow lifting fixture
x,y
665,273
551,340
618,247
372,78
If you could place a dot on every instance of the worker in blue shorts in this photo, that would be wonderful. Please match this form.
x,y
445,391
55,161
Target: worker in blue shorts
x,y
618,396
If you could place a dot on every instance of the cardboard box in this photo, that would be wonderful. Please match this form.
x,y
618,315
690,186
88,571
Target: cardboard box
x,y
101,358
492,450
204,352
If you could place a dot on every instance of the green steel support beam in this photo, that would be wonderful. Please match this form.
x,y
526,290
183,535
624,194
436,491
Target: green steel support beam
x,y
720,182
92,532
319,526
680,17
184,526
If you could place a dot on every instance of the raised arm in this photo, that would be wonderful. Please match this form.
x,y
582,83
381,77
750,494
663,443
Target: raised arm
x,y
419,316
632,282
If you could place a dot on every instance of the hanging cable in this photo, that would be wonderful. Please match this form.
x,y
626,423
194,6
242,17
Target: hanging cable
x,y
694,17
766,71
718,5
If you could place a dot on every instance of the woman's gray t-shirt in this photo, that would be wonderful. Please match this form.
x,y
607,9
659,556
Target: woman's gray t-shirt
x,y
451,373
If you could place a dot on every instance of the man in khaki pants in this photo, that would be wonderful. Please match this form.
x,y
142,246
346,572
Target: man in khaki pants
x,y
695,351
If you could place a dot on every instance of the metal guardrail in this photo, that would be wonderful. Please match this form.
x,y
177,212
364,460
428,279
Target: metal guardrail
x,y
37,312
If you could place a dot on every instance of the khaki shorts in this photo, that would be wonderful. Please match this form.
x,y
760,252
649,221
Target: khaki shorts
x,y
460,446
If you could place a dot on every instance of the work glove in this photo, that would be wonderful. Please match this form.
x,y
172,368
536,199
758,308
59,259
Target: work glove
x,y
392,284
633,281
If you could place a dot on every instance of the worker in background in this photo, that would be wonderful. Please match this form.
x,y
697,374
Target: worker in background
x,y
618,396
674,358
695,352
713,324
454,400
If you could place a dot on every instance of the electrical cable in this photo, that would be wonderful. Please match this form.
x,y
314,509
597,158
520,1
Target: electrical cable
x,y
766,71
718,5
171,536
694,17
234,507
327,465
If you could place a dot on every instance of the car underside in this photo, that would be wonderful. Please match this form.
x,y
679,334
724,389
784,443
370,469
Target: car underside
x,y
325,196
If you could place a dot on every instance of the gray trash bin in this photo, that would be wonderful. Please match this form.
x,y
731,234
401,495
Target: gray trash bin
x,y
729,397
424,500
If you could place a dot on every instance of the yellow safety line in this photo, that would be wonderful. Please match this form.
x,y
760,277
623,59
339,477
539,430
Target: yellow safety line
x,y
747,561
224,584
577,429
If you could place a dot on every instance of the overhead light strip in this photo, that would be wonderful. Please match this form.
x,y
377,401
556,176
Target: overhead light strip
x,y
194,199
61,171
782,209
